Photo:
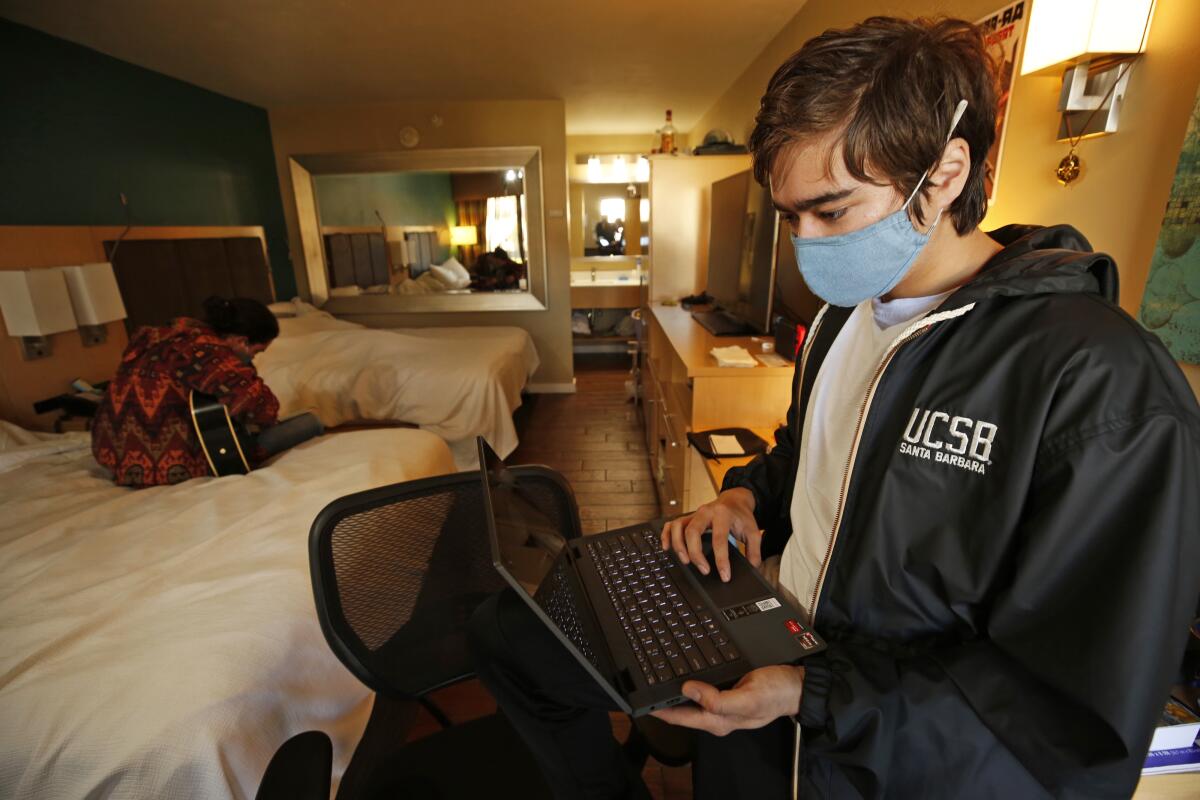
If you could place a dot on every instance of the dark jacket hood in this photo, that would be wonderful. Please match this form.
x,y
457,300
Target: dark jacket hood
x,y
1041,260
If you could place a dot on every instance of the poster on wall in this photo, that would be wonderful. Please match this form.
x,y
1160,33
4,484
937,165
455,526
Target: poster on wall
x,y
1004,32
1171,304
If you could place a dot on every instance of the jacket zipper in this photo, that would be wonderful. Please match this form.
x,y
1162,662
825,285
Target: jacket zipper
x,y
808,342
904,338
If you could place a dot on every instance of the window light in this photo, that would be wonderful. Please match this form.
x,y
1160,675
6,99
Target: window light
x,y
612,208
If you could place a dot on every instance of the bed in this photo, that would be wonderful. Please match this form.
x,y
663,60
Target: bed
x,y
458,383
164,642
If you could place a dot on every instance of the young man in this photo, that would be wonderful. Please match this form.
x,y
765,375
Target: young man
x,y
985,496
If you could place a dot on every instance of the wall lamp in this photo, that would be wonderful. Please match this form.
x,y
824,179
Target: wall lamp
x,y
616,168
95,298
35,304
1094,44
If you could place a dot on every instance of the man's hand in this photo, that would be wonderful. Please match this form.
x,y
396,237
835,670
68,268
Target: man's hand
x,y
760,697
732,512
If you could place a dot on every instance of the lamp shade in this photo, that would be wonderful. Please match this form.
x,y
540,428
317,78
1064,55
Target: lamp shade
x,y
1067,31
94,293
464,235
35,302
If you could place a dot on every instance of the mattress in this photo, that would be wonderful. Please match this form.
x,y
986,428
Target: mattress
x,y
458,383
164,642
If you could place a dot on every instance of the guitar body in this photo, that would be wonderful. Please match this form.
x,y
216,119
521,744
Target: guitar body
x,y
220,436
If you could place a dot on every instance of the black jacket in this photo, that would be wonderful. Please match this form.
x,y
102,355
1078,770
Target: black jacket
x,y
1008,590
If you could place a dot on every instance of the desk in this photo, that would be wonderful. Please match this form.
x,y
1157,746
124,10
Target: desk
x,y
683,389
1180,786
716,469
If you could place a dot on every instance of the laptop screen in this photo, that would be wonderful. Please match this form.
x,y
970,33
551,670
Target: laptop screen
x,y
526,541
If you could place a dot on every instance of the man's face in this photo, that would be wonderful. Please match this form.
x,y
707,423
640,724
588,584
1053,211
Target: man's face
x,y
817,196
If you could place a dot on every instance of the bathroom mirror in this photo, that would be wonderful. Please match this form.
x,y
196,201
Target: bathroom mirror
x,y
609,219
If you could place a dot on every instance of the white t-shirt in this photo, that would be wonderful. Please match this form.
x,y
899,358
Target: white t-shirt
x,y
829,425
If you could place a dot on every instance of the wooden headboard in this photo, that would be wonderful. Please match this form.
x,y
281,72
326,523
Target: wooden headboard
x,y
169,277
43,246
368,256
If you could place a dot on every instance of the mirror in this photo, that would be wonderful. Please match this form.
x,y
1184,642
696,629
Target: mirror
x,y
609,220
436,230
615,219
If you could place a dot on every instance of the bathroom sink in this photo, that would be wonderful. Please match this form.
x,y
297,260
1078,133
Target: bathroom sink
x,y
608,278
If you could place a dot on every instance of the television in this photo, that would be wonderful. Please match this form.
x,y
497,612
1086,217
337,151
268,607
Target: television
x,y
743,238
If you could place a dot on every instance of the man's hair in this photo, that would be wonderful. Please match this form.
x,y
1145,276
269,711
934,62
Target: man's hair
x,y
891,85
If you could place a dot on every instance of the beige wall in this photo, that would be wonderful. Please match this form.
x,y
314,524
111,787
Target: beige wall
x,y
22,383
1119,202
376,128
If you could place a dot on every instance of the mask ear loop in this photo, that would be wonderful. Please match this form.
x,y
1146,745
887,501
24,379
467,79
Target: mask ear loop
x,y
959,110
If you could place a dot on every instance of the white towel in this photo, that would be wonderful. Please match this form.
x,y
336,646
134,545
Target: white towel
x,y
735,356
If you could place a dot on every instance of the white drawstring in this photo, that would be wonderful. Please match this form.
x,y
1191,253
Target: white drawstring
x,y
796,765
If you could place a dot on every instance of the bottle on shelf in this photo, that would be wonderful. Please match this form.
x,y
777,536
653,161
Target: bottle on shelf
x,y
667,136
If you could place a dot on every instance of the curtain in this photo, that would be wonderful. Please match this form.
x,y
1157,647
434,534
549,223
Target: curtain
x,y
472,212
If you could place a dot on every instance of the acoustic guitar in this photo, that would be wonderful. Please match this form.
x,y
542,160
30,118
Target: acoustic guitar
x,y
220,435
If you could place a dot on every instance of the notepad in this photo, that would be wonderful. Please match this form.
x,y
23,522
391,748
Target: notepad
x,y
734,356
726,445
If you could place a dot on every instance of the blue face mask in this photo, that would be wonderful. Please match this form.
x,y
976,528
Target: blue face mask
x,y
847,269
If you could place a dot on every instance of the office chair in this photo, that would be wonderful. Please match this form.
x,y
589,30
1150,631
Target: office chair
x,y
397,572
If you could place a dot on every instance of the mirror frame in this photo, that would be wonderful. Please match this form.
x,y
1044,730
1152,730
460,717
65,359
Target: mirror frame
x,y
467,159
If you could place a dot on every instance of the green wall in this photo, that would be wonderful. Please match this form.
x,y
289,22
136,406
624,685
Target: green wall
x,y
401,198
77,128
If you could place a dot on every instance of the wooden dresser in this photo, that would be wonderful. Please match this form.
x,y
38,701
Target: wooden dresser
x,y
683,389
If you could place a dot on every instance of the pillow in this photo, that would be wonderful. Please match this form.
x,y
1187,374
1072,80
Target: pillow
x,y
449,278
282,309
345,291
458,269
303,308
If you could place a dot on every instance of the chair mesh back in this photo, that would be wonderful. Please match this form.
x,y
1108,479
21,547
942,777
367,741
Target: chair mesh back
x,y
398,571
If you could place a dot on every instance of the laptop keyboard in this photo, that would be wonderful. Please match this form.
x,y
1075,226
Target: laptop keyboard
x,y
668,625
559,605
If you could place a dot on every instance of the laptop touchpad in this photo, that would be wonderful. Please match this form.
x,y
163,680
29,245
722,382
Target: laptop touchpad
x,y
744,584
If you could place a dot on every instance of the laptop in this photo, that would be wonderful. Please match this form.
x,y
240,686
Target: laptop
x,y
638,620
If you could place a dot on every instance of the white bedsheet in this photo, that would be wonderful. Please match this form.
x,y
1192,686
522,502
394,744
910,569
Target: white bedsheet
x,y
163,643
456,382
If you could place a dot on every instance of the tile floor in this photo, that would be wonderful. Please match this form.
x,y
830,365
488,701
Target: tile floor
x,y
595,438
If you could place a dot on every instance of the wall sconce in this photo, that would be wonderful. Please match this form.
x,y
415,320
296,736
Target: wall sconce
x,y
620,170
1096,42
641,170
616,168
96,299
35,304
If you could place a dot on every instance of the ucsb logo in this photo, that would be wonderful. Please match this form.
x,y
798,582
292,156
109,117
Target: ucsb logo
x,y
959,441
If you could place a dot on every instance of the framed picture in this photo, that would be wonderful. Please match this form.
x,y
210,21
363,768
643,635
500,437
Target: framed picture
x,y
1171,303
1005,31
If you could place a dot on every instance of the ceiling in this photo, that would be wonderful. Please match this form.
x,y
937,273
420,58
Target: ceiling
x,y
617,64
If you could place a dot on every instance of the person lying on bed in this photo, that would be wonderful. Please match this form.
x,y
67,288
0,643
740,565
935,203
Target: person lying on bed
x,y
143,432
